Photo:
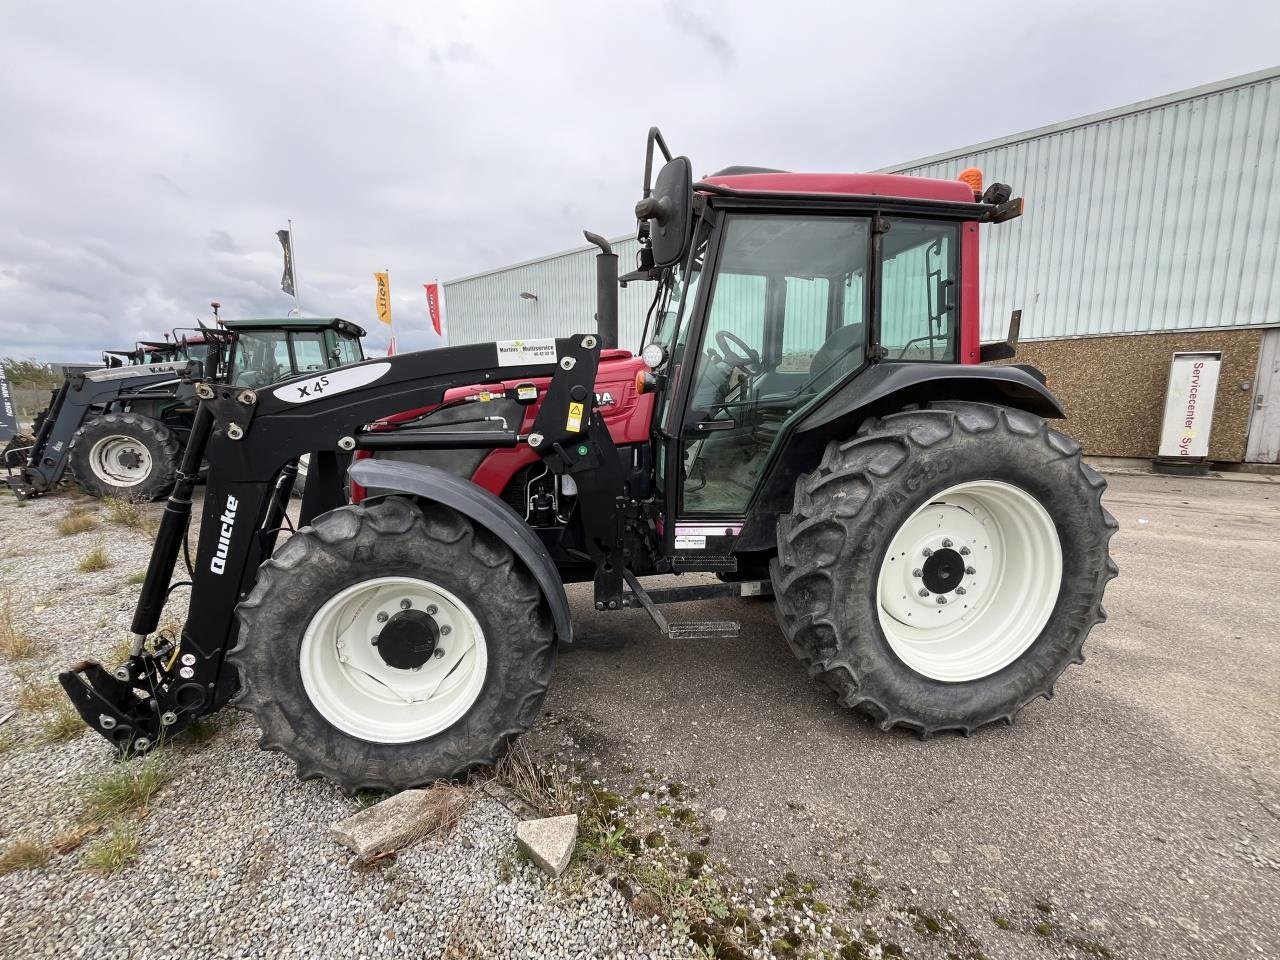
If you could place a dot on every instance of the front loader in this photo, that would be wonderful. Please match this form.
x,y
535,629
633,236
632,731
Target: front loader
x,y
809,419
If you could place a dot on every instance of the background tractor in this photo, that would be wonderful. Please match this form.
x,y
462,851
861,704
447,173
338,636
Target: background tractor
x,y
121,430
808,419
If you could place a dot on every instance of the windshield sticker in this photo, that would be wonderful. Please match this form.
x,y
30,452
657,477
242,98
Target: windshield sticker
x,y
521,353
335,381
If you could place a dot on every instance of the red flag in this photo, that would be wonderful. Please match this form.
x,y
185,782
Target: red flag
x,y
433,305
391,346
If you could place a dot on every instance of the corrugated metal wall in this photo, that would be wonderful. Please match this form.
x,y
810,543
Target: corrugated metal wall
x,y
1160,216
488,306
1164,218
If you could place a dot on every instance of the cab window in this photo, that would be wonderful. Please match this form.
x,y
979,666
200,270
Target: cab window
x,y
918,291
308,351
347,350
261,357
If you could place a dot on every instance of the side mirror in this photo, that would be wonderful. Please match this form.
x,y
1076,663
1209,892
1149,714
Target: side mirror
x,y
669,210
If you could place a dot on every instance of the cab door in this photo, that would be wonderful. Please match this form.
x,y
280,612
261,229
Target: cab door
x,y
784,321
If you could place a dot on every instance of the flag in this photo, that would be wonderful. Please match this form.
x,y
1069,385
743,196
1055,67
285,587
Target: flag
x,y
286,281
383,301
391,346
433,306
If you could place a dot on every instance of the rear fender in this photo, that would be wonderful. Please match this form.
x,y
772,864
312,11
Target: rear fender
x,y
878,390
481,506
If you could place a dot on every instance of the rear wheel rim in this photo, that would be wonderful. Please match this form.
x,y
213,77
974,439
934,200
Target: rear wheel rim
x,y
120,460
353,686
969,581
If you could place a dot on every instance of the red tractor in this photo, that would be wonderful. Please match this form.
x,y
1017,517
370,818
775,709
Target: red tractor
x,y
808,419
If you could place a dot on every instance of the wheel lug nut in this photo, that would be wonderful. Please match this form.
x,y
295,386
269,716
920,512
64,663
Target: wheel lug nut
x,y
917,573
416,669
406,604
964,551
927,552
970,571
439,653
431,610
445,630
383,617
961,590
942,600
374,639
924,592
946,544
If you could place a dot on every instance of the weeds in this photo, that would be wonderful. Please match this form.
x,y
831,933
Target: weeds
x,y
125,790
134,579
127,513
37,696
24,855
77,520
544,790
96,559
15,644
114,851
64,725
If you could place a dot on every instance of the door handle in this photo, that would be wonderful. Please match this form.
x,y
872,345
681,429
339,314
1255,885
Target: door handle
x,y
706,426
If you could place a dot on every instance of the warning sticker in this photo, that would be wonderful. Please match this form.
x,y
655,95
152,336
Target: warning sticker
x,y
519,353
526,391
574,423
691,542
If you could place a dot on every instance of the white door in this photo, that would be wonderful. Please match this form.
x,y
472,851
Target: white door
x,y
1264,425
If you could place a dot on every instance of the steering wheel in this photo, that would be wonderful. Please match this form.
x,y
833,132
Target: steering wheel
x,y
748,359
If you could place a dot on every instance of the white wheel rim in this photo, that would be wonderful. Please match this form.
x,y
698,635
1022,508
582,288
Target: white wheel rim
x,y
120,460
996,602
358,692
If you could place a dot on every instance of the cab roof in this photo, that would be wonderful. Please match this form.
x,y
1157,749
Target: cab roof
x,y
843,184
296,323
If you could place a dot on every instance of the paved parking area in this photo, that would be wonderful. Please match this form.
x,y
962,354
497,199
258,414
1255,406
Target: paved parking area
x,y
1135,815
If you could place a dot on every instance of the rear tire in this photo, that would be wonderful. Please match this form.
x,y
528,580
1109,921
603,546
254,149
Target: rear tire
x,y
363,722
873,542
125,455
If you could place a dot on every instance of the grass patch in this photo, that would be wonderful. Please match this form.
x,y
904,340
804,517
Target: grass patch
x,y
38,696
127,513
135,579
1000,921
115,850
15,644
543,789
77,520
125,790
24,855
65,724
1044,928
96,559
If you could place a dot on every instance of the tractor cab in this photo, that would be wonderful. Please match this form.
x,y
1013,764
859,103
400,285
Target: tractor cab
x,y
776,291
266,351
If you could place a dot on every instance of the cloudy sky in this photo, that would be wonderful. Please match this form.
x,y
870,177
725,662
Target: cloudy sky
x,y
150,150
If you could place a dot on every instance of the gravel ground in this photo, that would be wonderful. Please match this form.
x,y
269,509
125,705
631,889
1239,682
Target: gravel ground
x,y
234,858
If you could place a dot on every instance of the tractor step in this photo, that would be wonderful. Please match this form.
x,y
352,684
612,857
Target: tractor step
x,y
704,563
688,630
703,629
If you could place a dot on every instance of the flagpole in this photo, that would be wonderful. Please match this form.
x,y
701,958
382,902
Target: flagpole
x,y
293,257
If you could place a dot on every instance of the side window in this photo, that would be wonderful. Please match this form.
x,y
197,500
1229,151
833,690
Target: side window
x,y
348,350
261,357
308,351
919,291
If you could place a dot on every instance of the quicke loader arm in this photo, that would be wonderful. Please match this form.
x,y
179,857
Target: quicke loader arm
x,y
252,441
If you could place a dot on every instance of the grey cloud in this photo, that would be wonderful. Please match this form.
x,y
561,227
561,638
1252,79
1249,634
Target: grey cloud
x,y
152,149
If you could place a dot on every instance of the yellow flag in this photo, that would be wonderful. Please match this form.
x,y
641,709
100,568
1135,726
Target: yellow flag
x,y
384,297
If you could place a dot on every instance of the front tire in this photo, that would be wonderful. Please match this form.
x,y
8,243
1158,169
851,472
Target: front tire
x,y
943,568
463,660
125,455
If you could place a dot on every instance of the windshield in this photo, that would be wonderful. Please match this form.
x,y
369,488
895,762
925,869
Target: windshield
x,y
262,357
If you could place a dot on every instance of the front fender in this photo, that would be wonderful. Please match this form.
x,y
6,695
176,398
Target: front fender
x,y
431,483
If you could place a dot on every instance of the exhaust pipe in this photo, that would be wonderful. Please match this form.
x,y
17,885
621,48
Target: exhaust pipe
x,y
606,291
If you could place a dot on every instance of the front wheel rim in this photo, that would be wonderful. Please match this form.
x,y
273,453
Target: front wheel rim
x,y
354,687
120,460
969,581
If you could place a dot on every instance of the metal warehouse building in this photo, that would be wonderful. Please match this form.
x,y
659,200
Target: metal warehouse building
x,y
1149,229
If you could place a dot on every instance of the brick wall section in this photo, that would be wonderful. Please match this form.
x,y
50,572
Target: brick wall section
x,y
1113,387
